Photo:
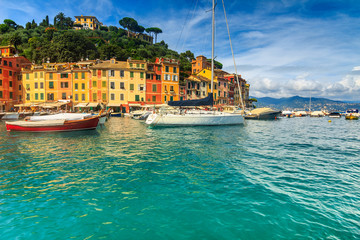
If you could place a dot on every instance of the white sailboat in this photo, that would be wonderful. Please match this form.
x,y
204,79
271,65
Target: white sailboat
x,y
197,118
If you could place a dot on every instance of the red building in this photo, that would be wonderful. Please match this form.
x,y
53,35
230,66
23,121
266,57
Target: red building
x,y
153,84
11,91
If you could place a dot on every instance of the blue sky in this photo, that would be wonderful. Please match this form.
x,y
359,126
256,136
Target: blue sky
x,y
282,47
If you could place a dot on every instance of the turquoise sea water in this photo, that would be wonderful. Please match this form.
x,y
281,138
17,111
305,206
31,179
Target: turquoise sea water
x,y
287,179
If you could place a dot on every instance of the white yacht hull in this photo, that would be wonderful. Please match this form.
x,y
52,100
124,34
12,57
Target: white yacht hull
x,y
215,119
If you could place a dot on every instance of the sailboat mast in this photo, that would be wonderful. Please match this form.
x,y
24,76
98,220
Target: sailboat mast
x,y
212,46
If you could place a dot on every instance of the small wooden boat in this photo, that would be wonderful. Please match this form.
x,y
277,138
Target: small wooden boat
x,y
352,114
57,125
116,114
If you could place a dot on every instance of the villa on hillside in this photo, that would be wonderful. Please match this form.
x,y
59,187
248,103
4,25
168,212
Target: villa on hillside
x,y
87,22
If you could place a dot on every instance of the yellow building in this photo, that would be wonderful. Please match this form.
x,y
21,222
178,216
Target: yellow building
x,y
137,82
87,22
34,85
170,79
117,82
80,85
207,74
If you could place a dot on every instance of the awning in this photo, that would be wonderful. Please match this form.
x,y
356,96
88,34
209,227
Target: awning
x,y
92,105
113,104
81,105
134,105
49,105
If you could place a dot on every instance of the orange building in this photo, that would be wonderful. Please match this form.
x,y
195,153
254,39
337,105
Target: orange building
x,y
170,79
153,84
11,90
7,51
199,64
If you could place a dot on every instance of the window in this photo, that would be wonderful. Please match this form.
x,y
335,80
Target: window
x,y
28,96
10,83
112,96
131,74
41,75
83,86
204,84
76,86
1,94
224,84
141,75
141,87
158,77
50,76
121,97
159,68
10,73
51,84
142,66
166,77
5,63
104,96
28,87
41,85
112,85
63,96
137,65
131,65
76,75
76,97
41,96
137,98
64,75
27,76
122,85
82,75
94,97
172,88
0,71
36,96
36,75
94,72
166,68
64,84
219,84
121,73
10,64
104,73
19,87
103,83
215,86
154,88
111,73
94,84
82,97
175,78
154,98
171,98
175,69
131,86
165,99
36,85
0,82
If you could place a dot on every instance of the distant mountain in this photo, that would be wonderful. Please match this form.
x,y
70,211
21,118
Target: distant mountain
x,y
303,103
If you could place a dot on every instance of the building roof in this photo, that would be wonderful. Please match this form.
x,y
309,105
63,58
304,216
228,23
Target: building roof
x,y
109,65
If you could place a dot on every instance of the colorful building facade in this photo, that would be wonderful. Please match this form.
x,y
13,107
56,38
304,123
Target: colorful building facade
x,y
11,87
170,79
87,22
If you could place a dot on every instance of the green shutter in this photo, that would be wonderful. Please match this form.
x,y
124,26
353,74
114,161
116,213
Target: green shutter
x,y
94,84
131,86
94,97
137,98
131,74
83,75
76,75
141,75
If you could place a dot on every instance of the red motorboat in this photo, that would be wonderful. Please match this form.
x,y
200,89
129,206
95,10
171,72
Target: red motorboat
x,y
58,125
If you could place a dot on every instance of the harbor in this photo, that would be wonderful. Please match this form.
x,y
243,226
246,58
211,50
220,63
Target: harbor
x,y
265,180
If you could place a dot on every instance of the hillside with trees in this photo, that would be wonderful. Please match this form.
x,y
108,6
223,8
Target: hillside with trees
x,y
59,42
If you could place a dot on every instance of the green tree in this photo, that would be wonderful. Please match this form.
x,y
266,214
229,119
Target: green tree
x,y
15,40
4,28
10,23
28,26
62,22
129,24
155,31
33,24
